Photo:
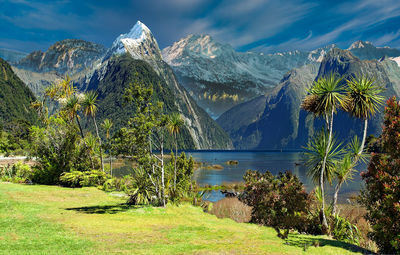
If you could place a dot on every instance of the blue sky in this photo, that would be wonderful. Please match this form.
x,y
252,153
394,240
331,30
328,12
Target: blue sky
x,y
257,25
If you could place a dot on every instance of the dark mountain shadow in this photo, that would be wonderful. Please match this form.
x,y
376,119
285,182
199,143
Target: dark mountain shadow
x,y
305,242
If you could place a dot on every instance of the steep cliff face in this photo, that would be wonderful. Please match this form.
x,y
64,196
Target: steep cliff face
x,y
218,77
271,121
66,56
76,58
141,44
282,124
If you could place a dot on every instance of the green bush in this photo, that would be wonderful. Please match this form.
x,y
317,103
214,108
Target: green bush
x,y
344,230
18,173
23,171
76,179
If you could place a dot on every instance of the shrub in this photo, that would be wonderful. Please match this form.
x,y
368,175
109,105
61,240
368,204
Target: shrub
x,y
381,194
19,173
84,179
232,208
59,149
280,202
344,230
23,171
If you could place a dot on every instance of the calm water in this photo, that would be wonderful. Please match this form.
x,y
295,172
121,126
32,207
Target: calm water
x,y
275,162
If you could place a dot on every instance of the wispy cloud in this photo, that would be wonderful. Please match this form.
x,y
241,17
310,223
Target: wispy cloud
x,y
262,25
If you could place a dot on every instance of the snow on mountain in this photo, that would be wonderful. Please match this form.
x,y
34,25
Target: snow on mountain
x,y
218,77
139,42
396,59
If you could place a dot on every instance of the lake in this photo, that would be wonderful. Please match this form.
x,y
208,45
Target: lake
x,y
273,161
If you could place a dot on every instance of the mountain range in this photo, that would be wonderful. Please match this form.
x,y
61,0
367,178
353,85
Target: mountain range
x,y
218,77
276,121
254,97
93,67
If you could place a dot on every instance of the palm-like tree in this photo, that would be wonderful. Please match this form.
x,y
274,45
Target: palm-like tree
x,y
72,107
344,172
107,125
362,100
323,99
89,105
174,125
315,155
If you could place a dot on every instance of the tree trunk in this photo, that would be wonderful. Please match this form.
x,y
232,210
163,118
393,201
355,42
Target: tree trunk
x,y
111,164
335,196
321,180
176,155
162,169
80,128
83,138
98,137
364,137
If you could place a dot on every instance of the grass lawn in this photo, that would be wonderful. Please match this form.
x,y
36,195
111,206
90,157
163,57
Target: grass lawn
x,y
37,219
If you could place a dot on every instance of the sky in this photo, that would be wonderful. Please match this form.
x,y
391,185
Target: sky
x,y
248,25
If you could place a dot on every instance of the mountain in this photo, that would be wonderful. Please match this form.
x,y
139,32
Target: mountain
x,y
218,77
67,56
75,58
15,97
367,51
278,121
140,44
12,56
92,67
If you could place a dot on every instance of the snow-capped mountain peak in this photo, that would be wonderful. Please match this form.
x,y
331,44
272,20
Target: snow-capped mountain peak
x,y
138,42
359,44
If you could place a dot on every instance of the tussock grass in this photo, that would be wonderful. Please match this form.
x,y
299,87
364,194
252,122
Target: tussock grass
x,y
37,219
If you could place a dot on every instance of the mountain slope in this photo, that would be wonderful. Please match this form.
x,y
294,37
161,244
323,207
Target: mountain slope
x,y
281,122
141,44
15,97
75,58
218,77
66,56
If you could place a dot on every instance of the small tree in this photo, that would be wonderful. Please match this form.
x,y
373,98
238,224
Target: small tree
x,y
280,202
381,195
175,124
89,104
324,97
107,125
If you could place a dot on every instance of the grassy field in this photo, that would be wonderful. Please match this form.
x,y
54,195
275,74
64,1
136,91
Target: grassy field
x,y
38,219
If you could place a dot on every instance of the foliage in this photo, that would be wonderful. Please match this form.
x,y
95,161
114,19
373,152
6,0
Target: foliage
x,y
15,97
58,148
280,202
381,194
344,230
18,173
326,95
362,97
315,153
84,179
15,137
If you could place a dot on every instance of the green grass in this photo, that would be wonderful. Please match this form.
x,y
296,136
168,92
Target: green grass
x,y
38,219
